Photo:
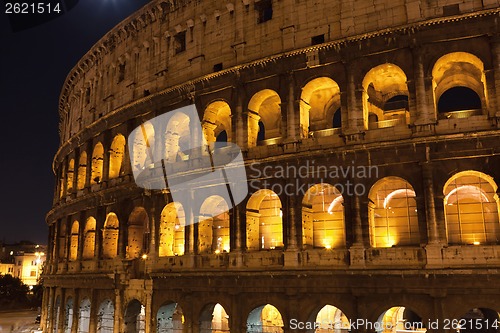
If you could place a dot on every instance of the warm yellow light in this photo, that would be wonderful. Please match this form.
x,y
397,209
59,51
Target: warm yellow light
x,y
144,256
476,243
217,251
328,246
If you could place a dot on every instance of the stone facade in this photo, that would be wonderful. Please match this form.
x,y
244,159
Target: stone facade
x,y
370,132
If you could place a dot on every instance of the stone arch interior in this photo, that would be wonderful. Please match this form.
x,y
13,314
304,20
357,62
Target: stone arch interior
x,y
70,175
330,319
143,147
84,316
89,238
392,213
400,318
264,106
134,318
213,227
110,236
116,153
380,85
82,171
478,320
105,317
68,316
170,319
73,246
97,164
458,99
323,217
172,230
217,119
265,318
214,319
138,233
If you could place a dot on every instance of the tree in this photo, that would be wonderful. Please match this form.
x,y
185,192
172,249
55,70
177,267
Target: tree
x,y
13,292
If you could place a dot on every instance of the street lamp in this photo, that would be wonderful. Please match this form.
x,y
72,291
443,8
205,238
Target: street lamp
x,y
38,262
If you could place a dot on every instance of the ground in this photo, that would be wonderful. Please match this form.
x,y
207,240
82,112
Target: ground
x,y
20,321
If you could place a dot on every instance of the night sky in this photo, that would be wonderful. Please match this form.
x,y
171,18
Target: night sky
x,y
33,66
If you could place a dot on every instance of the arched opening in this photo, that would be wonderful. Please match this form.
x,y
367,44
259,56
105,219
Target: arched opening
x,y
392,210
61,240
82,171
337,119
138,233
135,317
73,242
217,119
323,217
459,85
143,145
213,228
172,230
177,138
70,176
105,317
68,316
214,319
170,319
57,313
261,135
89,238
330,319
116,156
222,138
264,221
265,318
110,236
400,319
471,209
97,164
264,106
319,100
84,316
385,95
479,320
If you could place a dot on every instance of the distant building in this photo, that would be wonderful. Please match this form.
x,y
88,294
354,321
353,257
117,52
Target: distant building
x,y
22,260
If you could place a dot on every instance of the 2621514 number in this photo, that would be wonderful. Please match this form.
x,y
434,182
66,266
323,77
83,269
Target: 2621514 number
x,y
32,8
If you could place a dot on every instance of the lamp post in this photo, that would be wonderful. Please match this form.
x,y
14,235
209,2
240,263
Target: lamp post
x,y
38,262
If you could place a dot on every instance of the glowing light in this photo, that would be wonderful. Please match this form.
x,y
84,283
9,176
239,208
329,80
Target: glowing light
x,y
468,191
217,251
409,194
144,256
476,243
335,201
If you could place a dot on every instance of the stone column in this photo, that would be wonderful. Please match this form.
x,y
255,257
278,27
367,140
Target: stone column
x,y
425,113
292,113
354,99
291,214
76,312
493,77
62,312
357,250
118,308
148,318
94,307
240,128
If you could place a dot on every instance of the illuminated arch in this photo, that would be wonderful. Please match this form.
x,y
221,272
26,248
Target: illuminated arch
x,y
135,317
323,217
331,319
213,228
172,230
459,69
73,242
177,137
264,106
61,240
217,119
392,213
265,318
68,316
381,85
319,100
57,313
170,319
143,147
138,232
116,156
214,319
264,221
70,176
471,209
89,238
84,316
82,171
400,319
110,236
97,164
105,317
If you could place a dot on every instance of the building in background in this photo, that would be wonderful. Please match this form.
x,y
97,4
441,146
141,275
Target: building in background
x,y
371,137
23,260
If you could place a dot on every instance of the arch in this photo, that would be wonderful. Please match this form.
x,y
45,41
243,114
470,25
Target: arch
x,y
392,212
400,319
337,119
82,171
380,85
73,242
177,137
116,153
265,318
330,319
170,319
264,106
89,238
143,147
480,320
110,235
84,316
264,221
70,175
138,232
214,319
57,315
172,230
216,119
97,164
213,229
319,100
471,209
61,240
222,137
105,317
68,316
134,318
323,217
458,69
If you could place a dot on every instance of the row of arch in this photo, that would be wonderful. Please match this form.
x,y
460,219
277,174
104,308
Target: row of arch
x,y
470,201
458,84
265,318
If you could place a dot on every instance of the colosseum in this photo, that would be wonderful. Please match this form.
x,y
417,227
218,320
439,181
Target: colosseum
x,y
370,138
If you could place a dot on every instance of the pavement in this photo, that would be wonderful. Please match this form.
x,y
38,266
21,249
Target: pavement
x,y
22,321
